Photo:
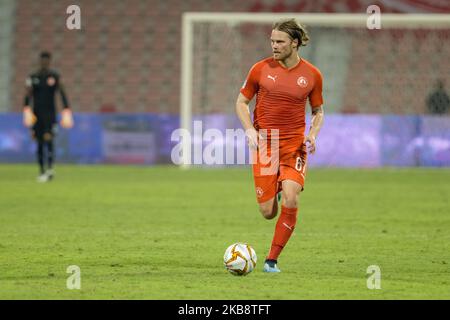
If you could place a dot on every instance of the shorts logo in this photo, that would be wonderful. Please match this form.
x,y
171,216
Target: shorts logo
x,y
259,192
302,82
51,81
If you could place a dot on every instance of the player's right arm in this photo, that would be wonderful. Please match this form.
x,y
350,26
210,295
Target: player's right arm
x,y
248,90
243,113
29,118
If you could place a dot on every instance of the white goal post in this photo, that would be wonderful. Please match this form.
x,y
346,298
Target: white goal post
x,y
189,19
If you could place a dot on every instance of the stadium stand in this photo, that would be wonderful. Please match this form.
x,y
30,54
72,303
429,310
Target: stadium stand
x,y
126,55
6,37
126,58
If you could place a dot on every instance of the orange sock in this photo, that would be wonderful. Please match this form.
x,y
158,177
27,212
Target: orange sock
x,y
283,230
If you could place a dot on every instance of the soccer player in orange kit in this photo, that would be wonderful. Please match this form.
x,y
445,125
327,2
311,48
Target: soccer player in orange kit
x,y
282,84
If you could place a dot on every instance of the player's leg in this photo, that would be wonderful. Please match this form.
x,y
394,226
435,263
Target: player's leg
x,y
289,195
49,146
265,175
292,174
37,135
286,223
40,155
269,208
48,139
49,136
266,187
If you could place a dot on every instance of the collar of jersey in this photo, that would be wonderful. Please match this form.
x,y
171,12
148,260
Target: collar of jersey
x,y
292,68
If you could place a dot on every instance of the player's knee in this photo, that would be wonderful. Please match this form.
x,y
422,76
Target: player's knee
x,y
268,212
290,201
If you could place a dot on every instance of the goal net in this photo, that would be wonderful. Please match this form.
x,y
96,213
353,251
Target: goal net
x,y
368,71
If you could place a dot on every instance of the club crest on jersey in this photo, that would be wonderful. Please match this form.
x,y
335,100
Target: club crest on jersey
x,y
51,81
302,82
259,192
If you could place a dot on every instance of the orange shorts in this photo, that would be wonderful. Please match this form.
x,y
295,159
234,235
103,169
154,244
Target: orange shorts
x,y
269,171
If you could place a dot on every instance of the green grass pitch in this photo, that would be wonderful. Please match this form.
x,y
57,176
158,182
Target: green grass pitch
x,y
160,233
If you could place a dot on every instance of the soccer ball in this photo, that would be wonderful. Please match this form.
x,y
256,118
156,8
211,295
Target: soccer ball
x,y
239,259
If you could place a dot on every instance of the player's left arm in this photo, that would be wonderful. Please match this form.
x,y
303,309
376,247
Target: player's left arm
x,y
316,102
62,92
316,125
66,114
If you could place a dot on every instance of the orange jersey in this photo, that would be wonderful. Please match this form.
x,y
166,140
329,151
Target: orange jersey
x,y
281,95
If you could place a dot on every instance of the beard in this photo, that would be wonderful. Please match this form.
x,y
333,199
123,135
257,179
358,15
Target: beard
x,y
282,56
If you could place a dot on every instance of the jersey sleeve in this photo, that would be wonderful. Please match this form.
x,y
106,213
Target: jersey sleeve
x,y
315,96
251,85
62,91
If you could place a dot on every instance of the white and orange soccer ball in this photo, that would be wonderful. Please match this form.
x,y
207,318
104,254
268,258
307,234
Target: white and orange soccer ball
x,y
240,259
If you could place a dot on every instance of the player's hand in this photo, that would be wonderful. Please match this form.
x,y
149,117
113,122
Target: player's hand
x,y
252,138
29,119
66,119
310,142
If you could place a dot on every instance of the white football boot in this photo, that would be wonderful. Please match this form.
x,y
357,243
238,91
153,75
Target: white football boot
x,y
42,178
50,174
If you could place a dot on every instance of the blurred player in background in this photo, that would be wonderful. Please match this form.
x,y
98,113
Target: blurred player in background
x,y
41,87
438,101
282,84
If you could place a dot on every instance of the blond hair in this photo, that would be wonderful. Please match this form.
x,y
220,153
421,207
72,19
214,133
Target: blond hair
x,y
294,29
